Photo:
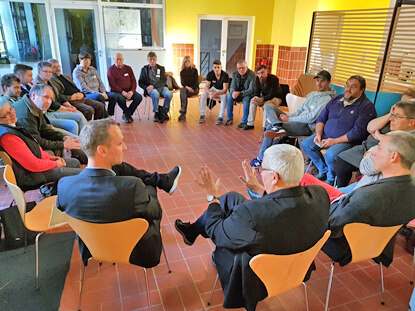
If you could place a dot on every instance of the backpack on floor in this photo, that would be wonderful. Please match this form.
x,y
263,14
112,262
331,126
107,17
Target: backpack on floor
x,y
14,229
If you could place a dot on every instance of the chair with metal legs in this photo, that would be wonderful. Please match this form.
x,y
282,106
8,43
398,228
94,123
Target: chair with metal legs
x,y
281,273
43,217
111,242
366,242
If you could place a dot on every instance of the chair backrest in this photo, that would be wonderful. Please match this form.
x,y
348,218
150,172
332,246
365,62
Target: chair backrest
x,y
5,158
200,79
367,241
17,193
169,73
280,273
111,242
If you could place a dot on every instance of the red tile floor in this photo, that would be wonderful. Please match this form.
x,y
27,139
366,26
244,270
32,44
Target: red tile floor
x,y
159,147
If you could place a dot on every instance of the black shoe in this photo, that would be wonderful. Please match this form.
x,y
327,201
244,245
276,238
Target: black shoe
x,y
248,127
156,117
241,125
321,176
163,116
229,122
125,118
186,230
130,117
182,117
172,179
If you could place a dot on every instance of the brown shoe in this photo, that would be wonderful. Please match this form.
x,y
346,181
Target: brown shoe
x,y
275,132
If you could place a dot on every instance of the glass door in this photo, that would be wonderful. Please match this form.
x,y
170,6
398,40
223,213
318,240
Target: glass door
x,y
76,31
225,38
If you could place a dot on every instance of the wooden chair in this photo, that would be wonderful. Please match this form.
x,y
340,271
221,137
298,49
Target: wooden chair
x,y
411,225
280,273
110,242
5,158
43,217
366,242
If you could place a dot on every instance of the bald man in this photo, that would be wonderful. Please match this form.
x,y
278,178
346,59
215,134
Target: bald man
x,y
122,81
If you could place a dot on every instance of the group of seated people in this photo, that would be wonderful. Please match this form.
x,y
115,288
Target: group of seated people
x,y
289,211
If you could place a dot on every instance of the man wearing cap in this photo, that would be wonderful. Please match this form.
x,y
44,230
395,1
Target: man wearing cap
x,y
300,122
341,124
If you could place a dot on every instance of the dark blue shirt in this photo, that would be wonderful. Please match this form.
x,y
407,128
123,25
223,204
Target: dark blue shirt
x,y
351,120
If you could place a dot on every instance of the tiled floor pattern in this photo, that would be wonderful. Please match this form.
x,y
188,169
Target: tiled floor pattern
x,y
159,147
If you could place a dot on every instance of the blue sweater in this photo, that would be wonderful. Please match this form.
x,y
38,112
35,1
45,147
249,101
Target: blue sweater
x,y
351,120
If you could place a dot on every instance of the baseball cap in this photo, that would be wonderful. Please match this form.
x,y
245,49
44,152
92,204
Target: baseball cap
x,y
324,74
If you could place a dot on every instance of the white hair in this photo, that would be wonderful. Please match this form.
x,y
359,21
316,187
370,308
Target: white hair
x,y
287,161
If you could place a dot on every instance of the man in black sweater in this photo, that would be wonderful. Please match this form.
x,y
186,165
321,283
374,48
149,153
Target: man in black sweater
x,y
267,91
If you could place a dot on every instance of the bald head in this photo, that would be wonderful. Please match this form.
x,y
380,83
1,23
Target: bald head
x,y
118,60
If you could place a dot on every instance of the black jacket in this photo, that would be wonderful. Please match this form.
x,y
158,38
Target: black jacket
x,y
97,195
283,222
270,89
144,80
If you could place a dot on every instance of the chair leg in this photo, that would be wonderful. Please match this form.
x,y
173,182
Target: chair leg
x,y
382,299
37,259
82,287
413,268
308,167
165,257
213,290
329,287
306,296
148,291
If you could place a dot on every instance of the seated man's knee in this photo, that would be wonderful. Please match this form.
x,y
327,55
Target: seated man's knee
x,y
155,94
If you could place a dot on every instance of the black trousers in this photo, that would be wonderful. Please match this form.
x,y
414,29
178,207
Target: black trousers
x,y
344,171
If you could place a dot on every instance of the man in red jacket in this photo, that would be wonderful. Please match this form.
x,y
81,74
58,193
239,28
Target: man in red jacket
x,y
122,81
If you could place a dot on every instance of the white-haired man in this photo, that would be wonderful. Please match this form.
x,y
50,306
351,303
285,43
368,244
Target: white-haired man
x,y
289,219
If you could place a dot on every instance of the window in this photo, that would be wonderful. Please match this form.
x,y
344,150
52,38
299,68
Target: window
x,y
25,33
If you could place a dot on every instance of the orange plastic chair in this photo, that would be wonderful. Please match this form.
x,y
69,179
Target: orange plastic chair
x,y
5,158
280,273
43,217
110,242
364,248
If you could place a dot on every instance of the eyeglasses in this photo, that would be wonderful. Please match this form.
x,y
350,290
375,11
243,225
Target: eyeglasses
x,y
397,116
8,114
260,169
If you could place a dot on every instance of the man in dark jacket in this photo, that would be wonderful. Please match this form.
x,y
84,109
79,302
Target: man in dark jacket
x,y
29,113
153,82
67,88
242,90
267,91
385,202
109,190
286,220
341,125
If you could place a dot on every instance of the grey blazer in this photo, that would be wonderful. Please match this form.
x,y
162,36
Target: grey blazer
x,y
386,202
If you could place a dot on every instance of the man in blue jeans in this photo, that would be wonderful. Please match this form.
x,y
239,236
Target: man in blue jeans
x,y
153,82
88,81
341,124
242,89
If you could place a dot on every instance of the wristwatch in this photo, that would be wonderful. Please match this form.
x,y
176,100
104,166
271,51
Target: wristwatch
x,y
210,198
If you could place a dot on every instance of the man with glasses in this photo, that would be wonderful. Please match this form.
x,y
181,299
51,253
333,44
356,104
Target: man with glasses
x,y
400,118
242,90
341,125
287,219
61,113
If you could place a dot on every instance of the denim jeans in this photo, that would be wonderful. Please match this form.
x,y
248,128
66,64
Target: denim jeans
x,y
155,97
325,164
114,98
230,102
292,129
73,122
